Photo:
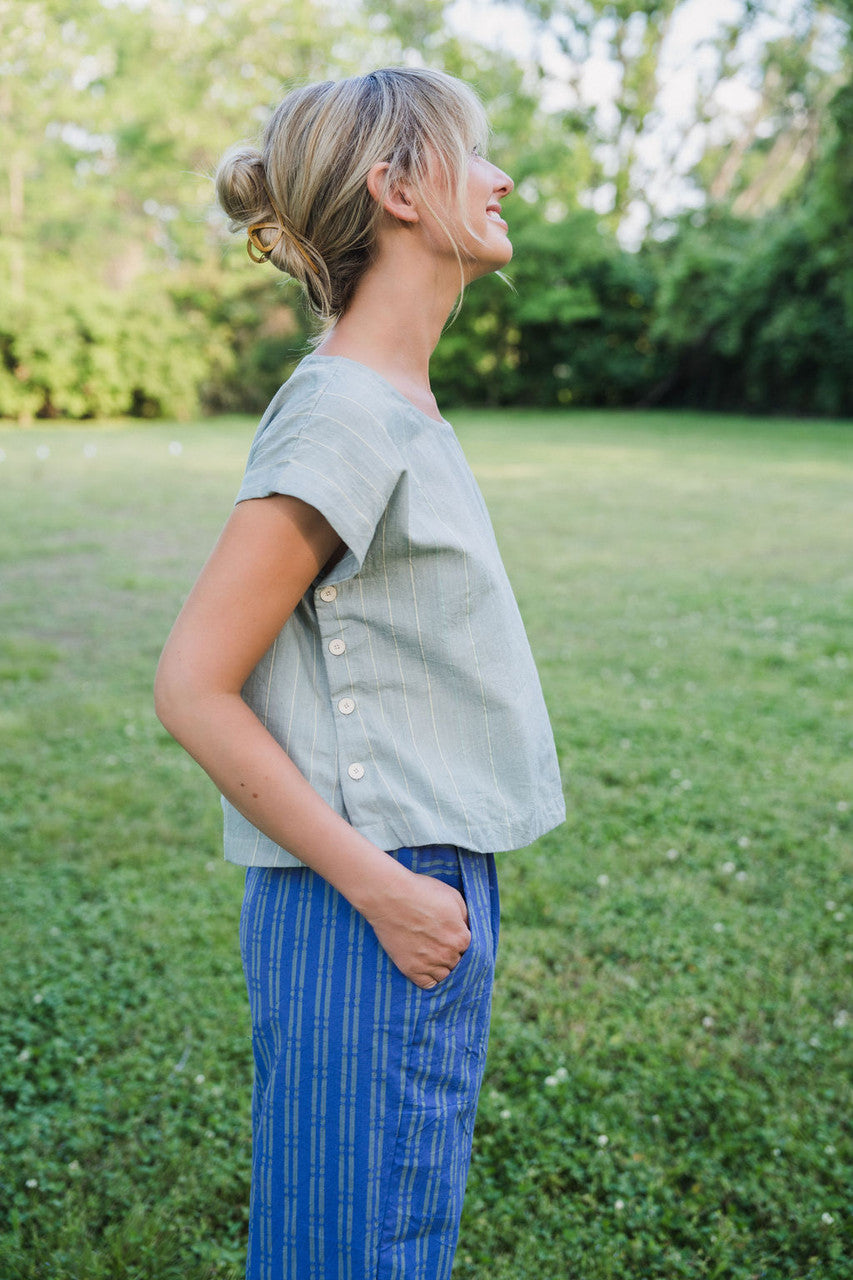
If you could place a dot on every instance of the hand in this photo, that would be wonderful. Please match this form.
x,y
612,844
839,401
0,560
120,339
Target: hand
x,y
422,925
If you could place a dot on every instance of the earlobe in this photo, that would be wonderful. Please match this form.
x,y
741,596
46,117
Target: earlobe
x,y
396,199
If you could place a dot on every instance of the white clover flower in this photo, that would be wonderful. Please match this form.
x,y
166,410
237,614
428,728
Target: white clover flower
x,y
618,1205
43,452
830,904
561,1074
55,931
655,1119
829,1149
841,1018
838,915
843,806
506,1114
675,773
777,1151
602,1139
814,1041
551,1081
624,743
718,926
603,879
74,1166
24,1055
743,842
685,784
727,868
176,448
672,854
38,997
741,875
707,1021
32,1183
826,1218
199,1079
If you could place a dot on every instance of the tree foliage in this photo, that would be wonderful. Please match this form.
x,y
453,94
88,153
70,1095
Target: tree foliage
x,y
122,292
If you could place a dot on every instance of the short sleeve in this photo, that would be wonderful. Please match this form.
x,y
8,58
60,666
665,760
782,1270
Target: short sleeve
x,y
339,458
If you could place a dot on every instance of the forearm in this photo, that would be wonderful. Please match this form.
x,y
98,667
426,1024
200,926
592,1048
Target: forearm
x,y
257,776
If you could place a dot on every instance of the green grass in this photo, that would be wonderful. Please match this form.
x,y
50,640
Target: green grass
x,y
668,1089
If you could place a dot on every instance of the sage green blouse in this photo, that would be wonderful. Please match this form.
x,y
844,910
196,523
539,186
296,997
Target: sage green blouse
x,y
403,685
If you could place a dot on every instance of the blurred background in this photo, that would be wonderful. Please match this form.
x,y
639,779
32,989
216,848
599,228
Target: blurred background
x,y
681,218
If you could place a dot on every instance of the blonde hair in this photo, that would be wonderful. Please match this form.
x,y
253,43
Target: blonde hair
x,y
317,151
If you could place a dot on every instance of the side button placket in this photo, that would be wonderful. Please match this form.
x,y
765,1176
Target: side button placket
x,y
337,648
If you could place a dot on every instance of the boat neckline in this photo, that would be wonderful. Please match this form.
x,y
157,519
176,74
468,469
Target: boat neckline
x,y
315,355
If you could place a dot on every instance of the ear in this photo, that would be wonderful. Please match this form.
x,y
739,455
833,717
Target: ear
x,y
396,200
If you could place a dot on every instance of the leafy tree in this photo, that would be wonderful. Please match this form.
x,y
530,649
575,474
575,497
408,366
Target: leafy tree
x,y
122,292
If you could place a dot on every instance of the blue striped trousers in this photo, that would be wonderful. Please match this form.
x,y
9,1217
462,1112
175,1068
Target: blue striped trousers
x,y
365,1086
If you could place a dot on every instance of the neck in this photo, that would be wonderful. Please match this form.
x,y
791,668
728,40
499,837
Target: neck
x,y
395,320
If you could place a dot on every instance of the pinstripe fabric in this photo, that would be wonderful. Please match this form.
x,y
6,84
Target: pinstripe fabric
x,y
365,1086
403,685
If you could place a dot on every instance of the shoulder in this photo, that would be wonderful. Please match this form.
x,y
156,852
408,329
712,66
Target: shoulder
x,y
333,401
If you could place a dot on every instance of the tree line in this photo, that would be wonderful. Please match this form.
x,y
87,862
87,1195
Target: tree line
x,y
124,294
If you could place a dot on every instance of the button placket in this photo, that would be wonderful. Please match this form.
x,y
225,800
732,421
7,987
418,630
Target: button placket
x,y
337,647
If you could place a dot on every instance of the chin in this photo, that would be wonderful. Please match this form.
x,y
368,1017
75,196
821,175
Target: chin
x,y
495,261
501,255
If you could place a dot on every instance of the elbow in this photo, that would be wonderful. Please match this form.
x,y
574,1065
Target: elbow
x,y
169,699
187,706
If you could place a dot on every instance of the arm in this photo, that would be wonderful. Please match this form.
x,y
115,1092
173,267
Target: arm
x,y
269,553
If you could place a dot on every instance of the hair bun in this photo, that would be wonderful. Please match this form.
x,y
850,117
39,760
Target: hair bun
x,y
241,187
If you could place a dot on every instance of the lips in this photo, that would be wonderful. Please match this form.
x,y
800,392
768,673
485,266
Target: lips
x,y
493,212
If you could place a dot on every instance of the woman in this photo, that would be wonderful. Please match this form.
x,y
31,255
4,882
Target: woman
x,y
352,672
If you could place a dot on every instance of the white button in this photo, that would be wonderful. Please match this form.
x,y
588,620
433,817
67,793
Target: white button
x,y
356,771
327,594
346,706
337,647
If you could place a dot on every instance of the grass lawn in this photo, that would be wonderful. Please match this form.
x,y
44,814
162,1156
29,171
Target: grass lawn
x,y
668,1090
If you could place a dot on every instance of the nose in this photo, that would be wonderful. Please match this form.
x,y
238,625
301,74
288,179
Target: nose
x,y
503,182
